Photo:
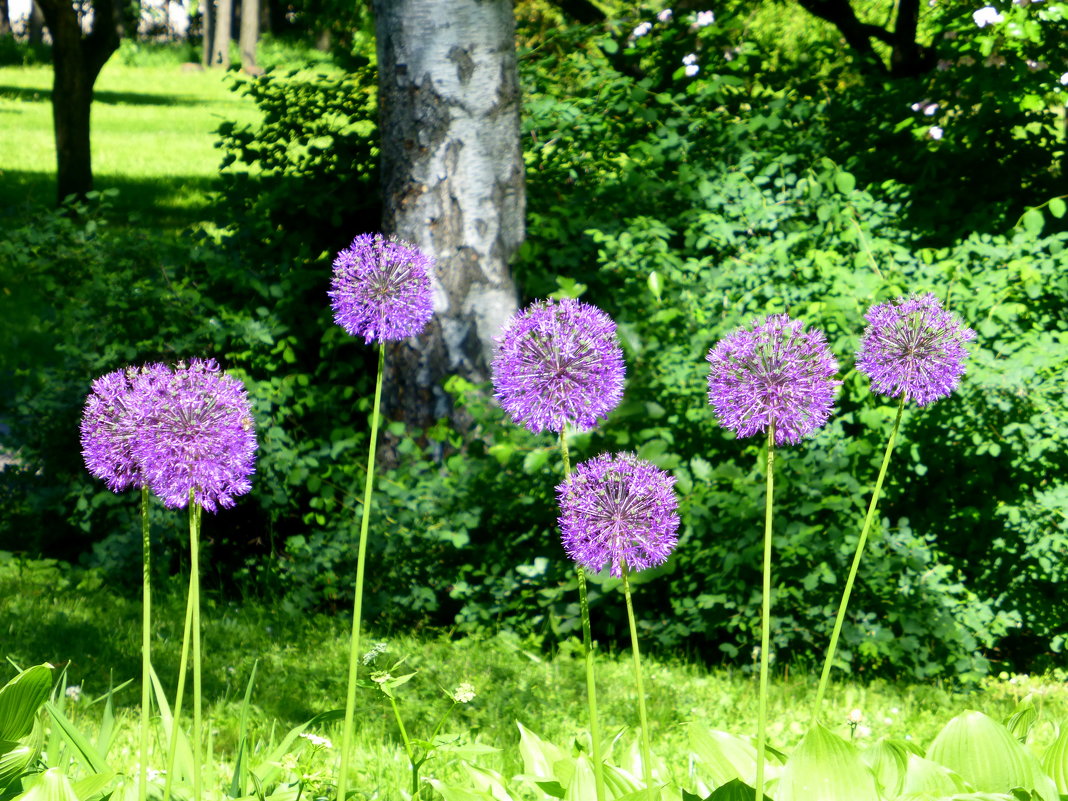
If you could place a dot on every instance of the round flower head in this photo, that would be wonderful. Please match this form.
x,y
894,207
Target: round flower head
x,y
380,289
777,373
912,346
557,364
198,434
111,420
616,509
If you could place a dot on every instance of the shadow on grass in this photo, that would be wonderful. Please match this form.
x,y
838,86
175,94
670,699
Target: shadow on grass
x,y
31,95
165,202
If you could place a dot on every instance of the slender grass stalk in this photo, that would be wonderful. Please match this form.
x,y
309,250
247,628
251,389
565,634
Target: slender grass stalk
x,y
587,645
765,620
647,751
180,694
194,591
865,529
146,643
357,606
408,749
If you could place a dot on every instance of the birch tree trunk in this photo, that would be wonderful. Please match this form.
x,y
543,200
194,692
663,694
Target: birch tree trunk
x,y
452,175
250,34
224,15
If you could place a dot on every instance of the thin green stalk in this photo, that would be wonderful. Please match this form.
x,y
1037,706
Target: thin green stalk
x,y
357,606
146,642
587,645
765,620
865,529
647,751
180,694
407,746
194,590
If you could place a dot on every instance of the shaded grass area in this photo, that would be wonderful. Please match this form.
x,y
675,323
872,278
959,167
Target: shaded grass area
x,y
152,139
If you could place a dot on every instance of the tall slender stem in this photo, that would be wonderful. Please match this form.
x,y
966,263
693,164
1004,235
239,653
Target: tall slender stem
x,y
647,751
357,606
587,645
146,642
183,664
194,589
865,529
765,619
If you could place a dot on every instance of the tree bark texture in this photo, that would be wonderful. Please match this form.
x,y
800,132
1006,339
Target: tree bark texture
x,y
76,61
207,31
453,181
5,19
250,33
224,15
36,24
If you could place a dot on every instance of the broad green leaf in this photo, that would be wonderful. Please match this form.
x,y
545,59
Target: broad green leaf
x,y
20,699
1055,761
1057,207
52,785
183,757
926,777
488,781
450,793
1022,718
583,785
94,785
889,761
619,783
14,762
722,755
1033,222
538,755
734,790
988,757
845,182
826,767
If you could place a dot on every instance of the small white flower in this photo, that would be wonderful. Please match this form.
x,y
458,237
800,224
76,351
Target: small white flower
x,y
691,70
689,58
895,711
863,731
935,132
1064,79
380,677
464,693
641,30
987,15
74,693
930,109
665,15
316,740
377,650
856,716
704,19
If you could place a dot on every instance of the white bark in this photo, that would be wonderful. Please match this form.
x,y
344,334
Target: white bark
x,y
453,167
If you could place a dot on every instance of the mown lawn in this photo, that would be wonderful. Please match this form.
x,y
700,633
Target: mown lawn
x,y
152,138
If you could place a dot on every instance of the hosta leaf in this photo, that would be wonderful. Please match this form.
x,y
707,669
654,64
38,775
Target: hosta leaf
x,y
1022,718
52,785
583,785
826,767
930,778
889,761
988,757
1055,761
450,793
722,756
734,790
20,699
538,755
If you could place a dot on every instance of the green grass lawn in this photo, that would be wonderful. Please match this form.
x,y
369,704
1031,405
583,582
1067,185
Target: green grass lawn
x,y
152,138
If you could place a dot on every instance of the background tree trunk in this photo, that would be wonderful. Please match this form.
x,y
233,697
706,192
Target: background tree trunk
x,y
76,61
207,30
224,15
453,184
5,19
250,33
36,24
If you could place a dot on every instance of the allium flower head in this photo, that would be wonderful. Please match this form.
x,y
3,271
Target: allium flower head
x,y
381,289
617,508
775,373
111,420
197,434
557,364
913,346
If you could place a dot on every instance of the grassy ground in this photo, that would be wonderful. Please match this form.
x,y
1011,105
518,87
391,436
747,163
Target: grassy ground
x,y
51,613
152,138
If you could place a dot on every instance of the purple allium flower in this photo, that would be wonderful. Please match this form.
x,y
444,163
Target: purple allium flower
x,y
913,346
113,415
557,364
380,289
617,508
777,373
197,434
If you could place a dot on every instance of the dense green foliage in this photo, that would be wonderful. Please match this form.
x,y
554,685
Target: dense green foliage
x,y
684,206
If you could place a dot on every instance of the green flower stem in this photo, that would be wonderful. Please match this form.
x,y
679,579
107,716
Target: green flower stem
x,y
865,529
194,589
146,643
647,751
587,645
180,694
765,620
357,606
